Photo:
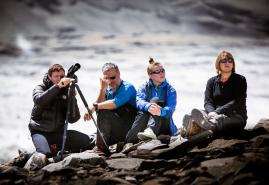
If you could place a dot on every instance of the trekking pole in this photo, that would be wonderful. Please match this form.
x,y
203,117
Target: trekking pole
x,y
90,113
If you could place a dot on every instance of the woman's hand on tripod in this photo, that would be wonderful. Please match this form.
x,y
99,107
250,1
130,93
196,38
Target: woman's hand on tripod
x,y
65,81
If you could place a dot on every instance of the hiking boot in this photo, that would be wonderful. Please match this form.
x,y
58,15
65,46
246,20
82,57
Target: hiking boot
x,y
201,118
148,134
193,129
190,127
186,120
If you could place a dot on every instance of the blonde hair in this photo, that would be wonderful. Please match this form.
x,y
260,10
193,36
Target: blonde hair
x,y
152,63
222,55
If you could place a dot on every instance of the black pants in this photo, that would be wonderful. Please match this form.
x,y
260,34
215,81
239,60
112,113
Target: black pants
x,y
114,125
158,124
50,143
228,125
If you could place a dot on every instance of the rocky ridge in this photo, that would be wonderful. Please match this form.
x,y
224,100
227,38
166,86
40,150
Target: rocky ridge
x,y
243,159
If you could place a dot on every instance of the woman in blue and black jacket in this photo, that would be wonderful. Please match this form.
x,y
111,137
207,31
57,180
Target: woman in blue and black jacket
x,y
156,102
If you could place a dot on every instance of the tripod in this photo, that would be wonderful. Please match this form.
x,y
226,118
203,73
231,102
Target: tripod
x,y
71,93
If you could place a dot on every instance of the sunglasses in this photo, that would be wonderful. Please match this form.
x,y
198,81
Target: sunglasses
x,y
158,71
225,60
110,78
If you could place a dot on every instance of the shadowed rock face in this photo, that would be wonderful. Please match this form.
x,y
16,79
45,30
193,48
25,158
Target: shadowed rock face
x,y
240,18
243,159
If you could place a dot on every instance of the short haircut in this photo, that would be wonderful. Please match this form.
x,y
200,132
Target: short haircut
x,y
222,55
152,63
108,66
55,68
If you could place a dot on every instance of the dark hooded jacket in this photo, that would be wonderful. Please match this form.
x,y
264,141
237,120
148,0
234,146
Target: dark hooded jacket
x,y
50,107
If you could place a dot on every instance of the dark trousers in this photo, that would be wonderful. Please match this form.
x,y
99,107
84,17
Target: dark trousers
x,y
114,125
228,125
158,124
50,143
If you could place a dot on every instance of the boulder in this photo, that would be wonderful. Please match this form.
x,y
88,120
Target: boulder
x,y
75,160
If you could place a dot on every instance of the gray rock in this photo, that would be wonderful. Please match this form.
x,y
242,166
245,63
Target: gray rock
x,y
157,164
36,161
260,141
147,147
113,180
125,163
158,181
263,123
74,160
145,150
220,144
117,155
151,145
128,147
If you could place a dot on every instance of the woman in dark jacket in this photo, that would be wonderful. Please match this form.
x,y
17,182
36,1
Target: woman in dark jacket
x,y
49,113
224,103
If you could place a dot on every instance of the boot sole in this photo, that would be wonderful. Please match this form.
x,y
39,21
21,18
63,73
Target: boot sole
x,y
200,118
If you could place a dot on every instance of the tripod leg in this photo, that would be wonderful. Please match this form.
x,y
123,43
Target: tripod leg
x,y
90,113
71,88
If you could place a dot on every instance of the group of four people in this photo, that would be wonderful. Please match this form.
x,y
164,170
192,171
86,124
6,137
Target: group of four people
x,y
127,115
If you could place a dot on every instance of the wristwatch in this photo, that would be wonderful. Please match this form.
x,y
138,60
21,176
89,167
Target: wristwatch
x,y
95,105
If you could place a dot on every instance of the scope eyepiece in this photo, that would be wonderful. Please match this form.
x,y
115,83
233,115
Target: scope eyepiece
x,y
72,70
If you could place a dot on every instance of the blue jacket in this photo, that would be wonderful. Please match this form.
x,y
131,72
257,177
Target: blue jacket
x,y
142,100
125,93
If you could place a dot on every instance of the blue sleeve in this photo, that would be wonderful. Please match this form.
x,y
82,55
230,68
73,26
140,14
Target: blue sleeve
x,y
171,103
124,95
141,101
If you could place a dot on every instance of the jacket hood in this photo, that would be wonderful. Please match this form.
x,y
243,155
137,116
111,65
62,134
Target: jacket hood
x,y
46,81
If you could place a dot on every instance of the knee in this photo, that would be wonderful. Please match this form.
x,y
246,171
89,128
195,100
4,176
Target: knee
x,y
104,113
131,138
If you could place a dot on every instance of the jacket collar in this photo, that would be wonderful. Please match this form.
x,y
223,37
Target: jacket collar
x,y
219,78
163,84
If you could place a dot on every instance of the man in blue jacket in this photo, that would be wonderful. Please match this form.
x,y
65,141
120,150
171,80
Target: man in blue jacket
x,y
156,102
115,108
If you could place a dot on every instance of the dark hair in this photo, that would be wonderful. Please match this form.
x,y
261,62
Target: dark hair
x,y
55,67
108,66
152,63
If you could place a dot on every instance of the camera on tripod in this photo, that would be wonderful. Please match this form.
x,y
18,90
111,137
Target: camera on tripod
x,y
71,91
72,70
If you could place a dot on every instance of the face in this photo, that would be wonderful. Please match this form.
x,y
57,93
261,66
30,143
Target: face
x,y
158,74
56,76
226,65
112,78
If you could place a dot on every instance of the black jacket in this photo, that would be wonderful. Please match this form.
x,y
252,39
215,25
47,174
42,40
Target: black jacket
x,y
50,106
226,98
